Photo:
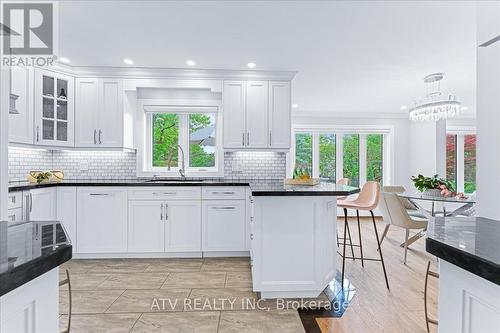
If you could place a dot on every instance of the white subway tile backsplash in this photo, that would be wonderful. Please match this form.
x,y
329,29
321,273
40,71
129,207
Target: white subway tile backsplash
x,y
122,165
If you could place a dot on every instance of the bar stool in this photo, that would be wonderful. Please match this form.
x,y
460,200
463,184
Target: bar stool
x,y
367,200
345,181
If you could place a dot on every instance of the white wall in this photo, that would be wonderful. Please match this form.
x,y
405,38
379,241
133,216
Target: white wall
x,y
488,112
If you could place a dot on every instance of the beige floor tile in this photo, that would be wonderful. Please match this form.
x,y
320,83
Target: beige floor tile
x,y
195,280
118,266
83,281
158,300
178,322
175,265
77,266
215,299
260,322
134,281
226,264
239,279
100,323
88,301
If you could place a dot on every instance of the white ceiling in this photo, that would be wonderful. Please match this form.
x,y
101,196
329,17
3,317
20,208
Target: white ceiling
x,y
352,56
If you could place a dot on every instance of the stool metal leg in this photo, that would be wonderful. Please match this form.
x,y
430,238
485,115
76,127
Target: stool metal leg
x,y
350,238
379,249
360,243
343,250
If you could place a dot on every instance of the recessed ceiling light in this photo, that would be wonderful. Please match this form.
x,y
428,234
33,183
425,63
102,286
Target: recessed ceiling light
x,y
251,65
464,108
295,106
190,63
63,60
403,107
128,61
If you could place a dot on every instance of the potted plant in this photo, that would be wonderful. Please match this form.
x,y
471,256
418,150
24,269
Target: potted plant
x,y
433,186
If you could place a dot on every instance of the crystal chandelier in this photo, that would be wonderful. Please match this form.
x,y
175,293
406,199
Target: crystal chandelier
x,y
434,106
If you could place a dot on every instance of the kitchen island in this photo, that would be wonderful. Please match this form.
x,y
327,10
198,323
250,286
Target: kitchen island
x,y
469,272
293,238
30,256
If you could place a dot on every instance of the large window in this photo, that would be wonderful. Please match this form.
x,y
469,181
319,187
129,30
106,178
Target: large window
x,y
331,156
461,160
177,136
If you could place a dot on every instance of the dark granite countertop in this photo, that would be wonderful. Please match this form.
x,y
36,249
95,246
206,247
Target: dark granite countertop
x,y
260,187
472,243
30,249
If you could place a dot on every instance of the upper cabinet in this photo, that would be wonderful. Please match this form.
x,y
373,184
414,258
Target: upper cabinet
x,y
99,113
54,112
257,115
21,119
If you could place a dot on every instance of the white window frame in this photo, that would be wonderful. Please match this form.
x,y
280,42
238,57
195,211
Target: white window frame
x,y
461,132
339,131
183,108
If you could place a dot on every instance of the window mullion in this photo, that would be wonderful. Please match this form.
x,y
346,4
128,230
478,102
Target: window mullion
x,y
339,156
315,157
184,139
460,162
362,159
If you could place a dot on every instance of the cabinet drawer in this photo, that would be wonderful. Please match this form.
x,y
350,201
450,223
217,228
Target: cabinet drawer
x,y
223,192
166,192
15,200
223,225
15,214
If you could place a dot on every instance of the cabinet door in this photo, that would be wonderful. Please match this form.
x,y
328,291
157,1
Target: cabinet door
x,y
279,114
42,204
110,116
256,115
66,211
102,220
54,109
183,226
21,123
146,226
86,111
223,226
234,114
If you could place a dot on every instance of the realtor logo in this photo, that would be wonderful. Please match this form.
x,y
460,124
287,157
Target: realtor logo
x,y
31,28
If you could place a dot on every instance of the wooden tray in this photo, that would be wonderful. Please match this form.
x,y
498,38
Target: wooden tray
x,y
305,182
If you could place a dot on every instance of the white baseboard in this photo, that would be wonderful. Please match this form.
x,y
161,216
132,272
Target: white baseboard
x,y
147,255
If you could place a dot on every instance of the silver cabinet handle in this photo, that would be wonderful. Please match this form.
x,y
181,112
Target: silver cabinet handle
x,y
31,202
243,138
95,134
224,208
37,133
224,192
99,194
166,212
251,237
100,134
248,138
164,193
161,212
26,206
270,138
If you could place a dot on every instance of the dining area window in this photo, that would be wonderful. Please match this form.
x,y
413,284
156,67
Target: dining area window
x,y
461,160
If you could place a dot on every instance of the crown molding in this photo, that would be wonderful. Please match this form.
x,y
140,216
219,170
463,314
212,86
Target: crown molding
x,y
379,115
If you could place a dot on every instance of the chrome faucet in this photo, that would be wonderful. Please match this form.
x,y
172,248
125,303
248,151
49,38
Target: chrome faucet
x,y
182,170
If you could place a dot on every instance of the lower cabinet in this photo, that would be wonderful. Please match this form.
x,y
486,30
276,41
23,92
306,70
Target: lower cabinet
x,y
102,220
66,211
223,225
164,226
41,204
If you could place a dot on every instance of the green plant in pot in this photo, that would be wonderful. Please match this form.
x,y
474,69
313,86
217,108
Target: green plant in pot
x,y
434,185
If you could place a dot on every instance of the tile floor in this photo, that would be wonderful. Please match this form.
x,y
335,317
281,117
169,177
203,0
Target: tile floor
x,y
139,295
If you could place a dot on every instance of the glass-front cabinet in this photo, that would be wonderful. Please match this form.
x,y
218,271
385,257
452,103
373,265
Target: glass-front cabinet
x,y
54,111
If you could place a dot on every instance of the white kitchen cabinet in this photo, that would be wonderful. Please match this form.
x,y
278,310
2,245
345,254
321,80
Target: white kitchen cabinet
x,y
99,113
223,225
182,226
32,307
146,226
40,204
102,220
54,109
257,115
66,211
279,114
21,123
234,114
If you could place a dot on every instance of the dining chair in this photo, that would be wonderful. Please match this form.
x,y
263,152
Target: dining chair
x,y
367,200
395,213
